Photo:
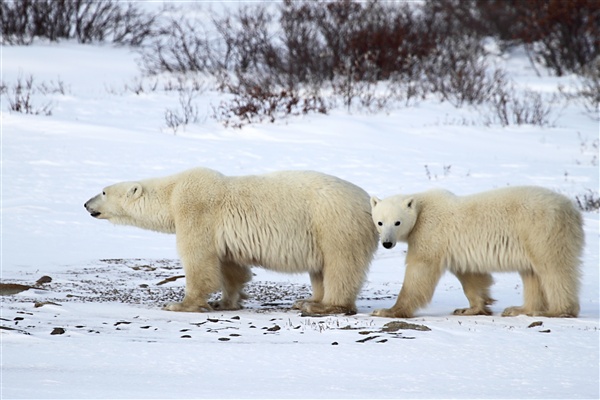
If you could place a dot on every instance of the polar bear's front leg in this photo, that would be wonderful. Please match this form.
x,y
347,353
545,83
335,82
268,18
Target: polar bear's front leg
x,y
420,281
202,275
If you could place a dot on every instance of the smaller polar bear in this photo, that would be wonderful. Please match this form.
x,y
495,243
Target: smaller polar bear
x,y
530,230
289,221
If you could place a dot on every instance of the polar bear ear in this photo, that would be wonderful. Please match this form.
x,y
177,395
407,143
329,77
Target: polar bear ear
x,y
374,201
134,191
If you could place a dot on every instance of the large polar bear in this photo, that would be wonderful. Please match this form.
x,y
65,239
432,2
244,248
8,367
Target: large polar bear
x,y
531,230
293,221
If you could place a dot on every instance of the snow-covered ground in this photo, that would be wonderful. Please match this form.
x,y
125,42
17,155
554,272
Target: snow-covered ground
x,y
106,295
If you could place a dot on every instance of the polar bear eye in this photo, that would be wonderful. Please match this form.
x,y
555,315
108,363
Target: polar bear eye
x,y
397,223
380,223
103,193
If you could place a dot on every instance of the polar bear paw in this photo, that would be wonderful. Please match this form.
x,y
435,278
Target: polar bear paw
x,y
513,311
226,305
315,308
391,313
301,304
183,307
473,311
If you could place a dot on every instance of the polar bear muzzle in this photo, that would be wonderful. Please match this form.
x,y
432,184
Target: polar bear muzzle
x,y
89,207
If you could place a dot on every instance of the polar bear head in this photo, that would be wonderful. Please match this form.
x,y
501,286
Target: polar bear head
x,y
116,203
144,204
394,218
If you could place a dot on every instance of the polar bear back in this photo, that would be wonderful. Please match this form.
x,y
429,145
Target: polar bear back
x,y
506,229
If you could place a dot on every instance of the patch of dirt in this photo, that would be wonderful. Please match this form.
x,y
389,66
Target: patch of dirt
x,y
395,326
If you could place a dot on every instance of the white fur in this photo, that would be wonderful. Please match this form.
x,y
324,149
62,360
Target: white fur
x,y
294,221
530,230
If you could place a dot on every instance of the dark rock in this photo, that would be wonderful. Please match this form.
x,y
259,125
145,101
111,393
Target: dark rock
x,y
397,325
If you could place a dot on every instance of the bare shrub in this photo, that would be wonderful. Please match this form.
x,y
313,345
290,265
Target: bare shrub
x,y
346,84
587,90
306,42
405,89
23,20
370,55
457,71
562,35
508,107
432,176
304,53
186,114
52,87
489,18
260,101
532,109
189,82
85,20
20,95
182,47
139,86
372,40
589,201
132,26
392,39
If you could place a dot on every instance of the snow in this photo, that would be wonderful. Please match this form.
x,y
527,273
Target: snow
x,y
118,343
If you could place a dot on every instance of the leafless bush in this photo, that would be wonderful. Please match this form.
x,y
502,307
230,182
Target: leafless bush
x,y
52,87
187,82
183,47
370,55
304,53
509,107
85,20
346,84
587,91
186,114
346,46
23,20
370,40
249,44
589,201
457,71
257,102
562,35
132,26
533,109
305,42
431,176
139,86
20,95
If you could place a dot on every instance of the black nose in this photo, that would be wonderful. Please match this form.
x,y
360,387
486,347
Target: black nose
x,y
388,245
